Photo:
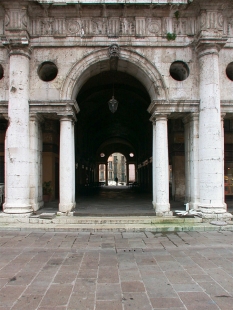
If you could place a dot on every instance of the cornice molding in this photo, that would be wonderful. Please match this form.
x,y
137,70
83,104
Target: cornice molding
x,y
57,109
174,106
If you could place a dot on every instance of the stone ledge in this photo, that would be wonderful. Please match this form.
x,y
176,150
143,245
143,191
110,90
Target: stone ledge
x,y
113,227
98,220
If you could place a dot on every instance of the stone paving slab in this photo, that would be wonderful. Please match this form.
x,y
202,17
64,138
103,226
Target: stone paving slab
x,y
76,270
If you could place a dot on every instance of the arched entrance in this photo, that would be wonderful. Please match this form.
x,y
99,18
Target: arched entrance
x,y
136,83
100,133
129,62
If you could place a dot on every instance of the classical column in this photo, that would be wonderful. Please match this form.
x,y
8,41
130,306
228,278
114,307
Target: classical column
x,y
191,160
106,174
67,166
36,143
17,189
139,175
211,174
73,163
127,173
96,172
160,166
222,125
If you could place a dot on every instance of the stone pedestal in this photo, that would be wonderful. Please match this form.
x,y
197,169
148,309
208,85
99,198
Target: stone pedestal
x,y
17,196
67,165
160,166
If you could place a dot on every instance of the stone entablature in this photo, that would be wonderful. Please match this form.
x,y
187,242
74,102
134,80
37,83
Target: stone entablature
x,y
112,27
174,108
31,19
58,109
59,2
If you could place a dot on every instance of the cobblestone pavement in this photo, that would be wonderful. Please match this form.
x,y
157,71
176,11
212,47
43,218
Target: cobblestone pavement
x,y
116,271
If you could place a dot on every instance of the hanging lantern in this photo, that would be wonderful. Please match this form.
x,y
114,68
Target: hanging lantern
x,y
113,104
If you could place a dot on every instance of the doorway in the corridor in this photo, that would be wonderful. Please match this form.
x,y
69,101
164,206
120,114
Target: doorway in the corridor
x,y
115,173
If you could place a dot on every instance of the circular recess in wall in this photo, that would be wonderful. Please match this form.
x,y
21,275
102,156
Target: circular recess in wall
x,y
102,155
229,71
179,70
1,72
47,71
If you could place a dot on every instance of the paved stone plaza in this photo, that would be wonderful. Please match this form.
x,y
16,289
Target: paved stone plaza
x,y
116,271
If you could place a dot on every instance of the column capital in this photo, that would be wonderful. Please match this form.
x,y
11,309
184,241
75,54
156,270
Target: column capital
x,y
209,46
16,32
36,117
17,46
66,118
223,116
210,38
159,117
190,117
68,113
25,51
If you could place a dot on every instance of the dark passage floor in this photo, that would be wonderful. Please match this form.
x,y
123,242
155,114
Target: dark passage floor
x,y
119,200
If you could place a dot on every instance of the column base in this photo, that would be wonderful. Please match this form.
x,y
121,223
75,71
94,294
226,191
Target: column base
x,y
38,205
17,208
164,214
213,213
66,207
193,205
162,209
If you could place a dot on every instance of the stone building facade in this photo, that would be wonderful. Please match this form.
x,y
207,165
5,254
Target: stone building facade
x,y
62,60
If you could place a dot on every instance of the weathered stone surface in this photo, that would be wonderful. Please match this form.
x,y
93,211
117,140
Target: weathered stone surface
x,y
48,216
151,37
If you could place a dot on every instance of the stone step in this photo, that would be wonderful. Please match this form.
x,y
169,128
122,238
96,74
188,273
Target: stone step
x,y
67,223
156,228
82,220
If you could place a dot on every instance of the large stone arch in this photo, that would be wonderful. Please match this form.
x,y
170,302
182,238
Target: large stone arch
x,y
130,62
